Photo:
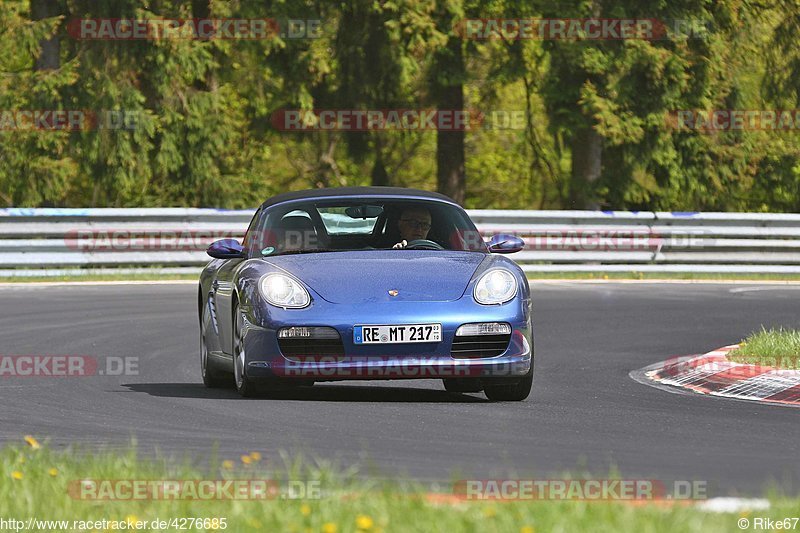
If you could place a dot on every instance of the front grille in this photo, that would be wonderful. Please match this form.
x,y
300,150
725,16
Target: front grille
x,y
480,345
304,348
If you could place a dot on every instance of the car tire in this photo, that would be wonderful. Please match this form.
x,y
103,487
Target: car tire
x,y
510,391
456,385
244,385
213,378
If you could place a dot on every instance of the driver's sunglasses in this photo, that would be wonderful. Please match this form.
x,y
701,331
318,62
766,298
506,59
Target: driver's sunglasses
x,y
416,224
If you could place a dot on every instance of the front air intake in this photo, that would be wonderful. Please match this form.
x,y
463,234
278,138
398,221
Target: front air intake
x,y
481,340
300,343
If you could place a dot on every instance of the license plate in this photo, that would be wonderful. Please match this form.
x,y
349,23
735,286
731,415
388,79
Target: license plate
x,y
397,334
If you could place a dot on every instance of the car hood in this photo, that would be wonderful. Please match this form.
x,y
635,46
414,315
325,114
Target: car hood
x,y
362,277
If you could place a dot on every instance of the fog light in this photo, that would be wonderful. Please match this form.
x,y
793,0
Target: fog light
x,y
303,332
485,328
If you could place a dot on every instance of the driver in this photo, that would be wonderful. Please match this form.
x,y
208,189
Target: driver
x,y
414,224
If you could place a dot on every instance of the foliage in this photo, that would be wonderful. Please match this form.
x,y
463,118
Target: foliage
x,y
200,111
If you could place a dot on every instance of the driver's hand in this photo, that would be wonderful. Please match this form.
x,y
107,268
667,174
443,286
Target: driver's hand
x,y
401,244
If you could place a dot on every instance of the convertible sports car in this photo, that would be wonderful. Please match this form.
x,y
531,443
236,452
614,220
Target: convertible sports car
x,y
365,283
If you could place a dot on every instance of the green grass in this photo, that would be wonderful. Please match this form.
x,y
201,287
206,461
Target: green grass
x,y
773,347
34,483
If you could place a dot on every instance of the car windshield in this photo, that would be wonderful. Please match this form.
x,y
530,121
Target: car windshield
x,y
363,224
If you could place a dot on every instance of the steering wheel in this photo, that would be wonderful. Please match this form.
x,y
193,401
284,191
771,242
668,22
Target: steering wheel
x,y
423,244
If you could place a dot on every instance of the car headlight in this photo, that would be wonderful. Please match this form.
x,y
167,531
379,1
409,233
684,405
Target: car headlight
x,y
496,286
283,291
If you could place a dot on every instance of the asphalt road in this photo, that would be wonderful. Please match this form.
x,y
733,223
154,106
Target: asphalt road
x,y
585,414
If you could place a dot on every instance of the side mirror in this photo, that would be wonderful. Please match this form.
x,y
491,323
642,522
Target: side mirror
x,y
505,244
225,249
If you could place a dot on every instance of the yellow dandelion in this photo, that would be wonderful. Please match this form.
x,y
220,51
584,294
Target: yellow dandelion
x,y
255,456
53,472
364,522
305,509
526,529
32,442
131,519
16,474
246,459
227,464
490,512
329,527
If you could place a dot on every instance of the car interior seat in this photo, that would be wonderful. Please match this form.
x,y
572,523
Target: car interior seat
x,y
297,232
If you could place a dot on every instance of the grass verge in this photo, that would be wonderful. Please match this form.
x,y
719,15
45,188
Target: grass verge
x,y
774,347
35,483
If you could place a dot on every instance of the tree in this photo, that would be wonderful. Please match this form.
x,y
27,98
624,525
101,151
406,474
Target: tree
x,y
610,98
370,74
35,168
447,78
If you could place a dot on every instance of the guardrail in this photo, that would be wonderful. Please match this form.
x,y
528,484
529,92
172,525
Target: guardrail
x,y
48,242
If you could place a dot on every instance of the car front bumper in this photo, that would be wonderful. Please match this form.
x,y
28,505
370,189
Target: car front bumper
x,y
395,361
516,362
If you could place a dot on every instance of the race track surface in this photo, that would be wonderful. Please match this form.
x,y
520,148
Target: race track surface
x,y
585,414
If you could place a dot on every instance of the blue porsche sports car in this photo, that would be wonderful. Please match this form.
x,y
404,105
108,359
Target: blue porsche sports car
x,y
365,283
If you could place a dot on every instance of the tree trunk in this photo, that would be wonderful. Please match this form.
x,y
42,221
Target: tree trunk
x,y
587,151
50,55
380,178
450,170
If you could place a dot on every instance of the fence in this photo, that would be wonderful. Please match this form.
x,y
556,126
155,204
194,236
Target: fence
x,y
49,242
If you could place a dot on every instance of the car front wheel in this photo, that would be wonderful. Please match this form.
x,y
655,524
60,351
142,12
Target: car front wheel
x,y
213,378
510,391
244,385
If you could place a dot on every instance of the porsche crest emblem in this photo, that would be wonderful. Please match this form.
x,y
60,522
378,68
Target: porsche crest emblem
x,y
394,292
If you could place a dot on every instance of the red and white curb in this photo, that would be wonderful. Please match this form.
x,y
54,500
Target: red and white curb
x,y
713,374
